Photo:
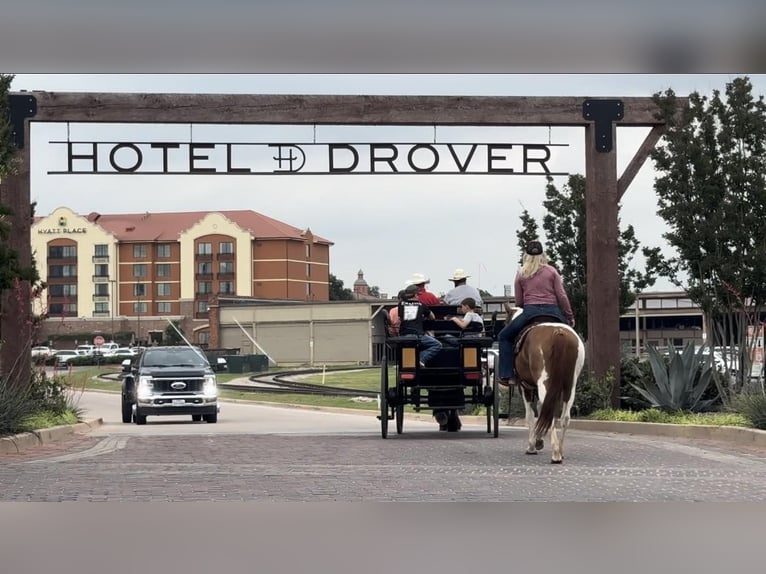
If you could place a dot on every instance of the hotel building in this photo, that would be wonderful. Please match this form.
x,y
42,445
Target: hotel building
x,y
120,273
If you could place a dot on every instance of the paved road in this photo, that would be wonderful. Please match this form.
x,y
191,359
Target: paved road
x,y
275,454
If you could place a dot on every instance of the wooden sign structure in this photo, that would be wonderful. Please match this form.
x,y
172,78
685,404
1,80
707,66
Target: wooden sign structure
x,y
598,116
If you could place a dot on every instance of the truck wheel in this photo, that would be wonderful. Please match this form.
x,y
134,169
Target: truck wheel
x,y
196,418
213,418
140,419
127,411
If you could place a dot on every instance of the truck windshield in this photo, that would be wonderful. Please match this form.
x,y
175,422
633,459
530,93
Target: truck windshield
x,y
173,358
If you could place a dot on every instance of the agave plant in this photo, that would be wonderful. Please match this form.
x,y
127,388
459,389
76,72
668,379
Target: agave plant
x,y
680,383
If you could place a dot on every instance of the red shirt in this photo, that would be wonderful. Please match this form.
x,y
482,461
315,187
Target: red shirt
x,y
426,297
544,288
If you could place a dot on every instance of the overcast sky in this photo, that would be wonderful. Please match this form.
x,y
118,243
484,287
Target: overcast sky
x,y
450,221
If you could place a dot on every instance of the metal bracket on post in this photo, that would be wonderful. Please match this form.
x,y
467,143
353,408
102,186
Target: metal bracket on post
x,y
20,107
603,113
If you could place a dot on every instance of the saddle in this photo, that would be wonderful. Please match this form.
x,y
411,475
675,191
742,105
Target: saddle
x,y
531,325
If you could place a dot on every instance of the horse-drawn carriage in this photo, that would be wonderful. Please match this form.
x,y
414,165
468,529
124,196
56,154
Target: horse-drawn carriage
x,y
457,377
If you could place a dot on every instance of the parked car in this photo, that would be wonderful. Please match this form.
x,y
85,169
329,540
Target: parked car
x,y
85,349
125,352
63,357
41,351
106,350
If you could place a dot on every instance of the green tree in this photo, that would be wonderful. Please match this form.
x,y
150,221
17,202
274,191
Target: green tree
x,y
712,195
171,336
564,227
337,291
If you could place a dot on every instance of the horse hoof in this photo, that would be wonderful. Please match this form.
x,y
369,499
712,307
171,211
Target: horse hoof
x,y
556,462
531,452
539,444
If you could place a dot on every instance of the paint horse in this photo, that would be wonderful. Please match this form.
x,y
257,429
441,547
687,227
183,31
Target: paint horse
x,y
549,358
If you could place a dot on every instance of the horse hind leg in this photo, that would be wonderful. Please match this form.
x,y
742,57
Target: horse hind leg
x,y
530,417
565,417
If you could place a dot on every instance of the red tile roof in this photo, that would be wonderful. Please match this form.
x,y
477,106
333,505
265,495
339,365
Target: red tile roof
x,y
169,226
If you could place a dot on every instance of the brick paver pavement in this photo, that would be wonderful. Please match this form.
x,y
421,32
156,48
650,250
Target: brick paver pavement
x,y
419,466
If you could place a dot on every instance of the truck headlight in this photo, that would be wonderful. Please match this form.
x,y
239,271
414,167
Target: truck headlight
x,y
145,387
209,388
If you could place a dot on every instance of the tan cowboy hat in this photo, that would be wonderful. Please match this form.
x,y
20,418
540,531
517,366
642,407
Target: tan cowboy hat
x,y
418,279
459,275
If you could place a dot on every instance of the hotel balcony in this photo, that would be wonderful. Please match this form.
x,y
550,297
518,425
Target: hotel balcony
x,y
101,298
101,278
103,260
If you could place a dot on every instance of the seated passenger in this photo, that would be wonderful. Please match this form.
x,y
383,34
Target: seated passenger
x,y
412,313
471,322
461,290
393,317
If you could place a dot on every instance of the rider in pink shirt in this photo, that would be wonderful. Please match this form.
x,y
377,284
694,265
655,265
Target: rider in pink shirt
x,y
540,291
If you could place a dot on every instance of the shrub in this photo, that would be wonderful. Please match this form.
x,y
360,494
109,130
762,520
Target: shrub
x,y
678,385
592,393
752,405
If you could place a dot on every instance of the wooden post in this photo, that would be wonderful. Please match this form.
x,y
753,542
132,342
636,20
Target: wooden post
x,y
601,220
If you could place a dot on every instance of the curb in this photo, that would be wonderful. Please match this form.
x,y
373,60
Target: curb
x,y
20,442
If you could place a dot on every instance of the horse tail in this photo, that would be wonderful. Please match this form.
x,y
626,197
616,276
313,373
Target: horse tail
x,y
561,363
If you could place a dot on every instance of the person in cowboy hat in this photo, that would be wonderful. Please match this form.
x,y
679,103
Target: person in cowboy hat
x,y
424,296
461,290
539,291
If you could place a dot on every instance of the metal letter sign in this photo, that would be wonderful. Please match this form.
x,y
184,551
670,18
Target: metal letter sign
x,y
189,158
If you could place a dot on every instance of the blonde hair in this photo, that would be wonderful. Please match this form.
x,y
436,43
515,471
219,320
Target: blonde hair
x,y
531,264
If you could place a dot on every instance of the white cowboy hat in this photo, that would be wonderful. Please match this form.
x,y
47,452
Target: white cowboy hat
x,y
459,275
418,279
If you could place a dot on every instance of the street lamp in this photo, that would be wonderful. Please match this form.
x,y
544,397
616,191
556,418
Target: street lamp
x,y
113,283
139,291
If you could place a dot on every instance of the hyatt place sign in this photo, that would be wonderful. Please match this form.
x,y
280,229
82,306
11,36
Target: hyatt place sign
x,y
172,158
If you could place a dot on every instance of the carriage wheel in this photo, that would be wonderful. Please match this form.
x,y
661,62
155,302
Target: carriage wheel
x,y
399,419
384,397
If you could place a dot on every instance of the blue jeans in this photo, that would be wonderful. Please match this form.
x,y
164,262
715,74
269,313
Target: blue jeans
x,y
429,348
507,337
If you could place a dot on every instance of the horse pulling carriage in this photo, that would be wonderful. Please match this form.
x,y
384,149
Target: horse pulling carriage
x,y
457,377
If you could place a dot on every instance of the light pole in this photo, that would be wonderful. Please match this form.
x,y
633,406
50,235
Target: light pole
x,y
113,283
138,311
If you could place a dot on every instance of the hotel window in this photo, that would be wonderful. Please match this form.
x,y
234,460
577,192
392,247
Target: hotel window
x,y
139,250
102,270
101,307
62,290
163,270
140,307
62,271
101,289
62,252
226,287
139,270
204,287
204,248
226,267
101,250
163,289
163,250
204,268
63,309
204,337
163,307
202,307
226,247
139,290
